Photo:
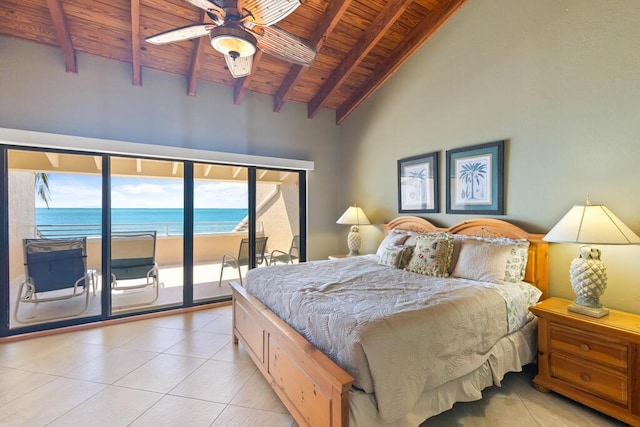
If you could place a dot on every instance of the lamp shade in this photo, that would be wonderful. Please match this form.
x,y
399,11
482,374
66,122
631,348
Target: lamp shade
x,y
591,224
354,215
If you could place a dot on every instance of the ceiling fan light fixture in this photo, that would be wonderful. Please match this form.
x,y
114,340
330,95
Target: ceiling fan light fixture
x,y
233,42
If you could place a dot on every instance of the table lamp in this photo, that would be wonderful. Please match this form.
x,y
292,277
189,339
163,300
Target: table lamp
x,y
353,216
590,224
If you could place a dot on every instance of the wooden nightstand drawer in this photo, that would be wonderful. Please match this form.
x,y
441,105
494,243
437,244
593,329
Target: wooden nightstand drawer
x,y
596,348
592,379
595,361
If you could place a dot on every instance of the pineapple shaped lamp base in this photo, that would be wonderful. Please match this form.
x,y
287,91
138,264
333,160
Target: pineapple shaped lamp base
x,y
588,280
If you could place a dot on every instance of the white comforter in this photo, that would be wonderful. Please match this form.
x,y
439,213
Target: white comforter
x,y
397,333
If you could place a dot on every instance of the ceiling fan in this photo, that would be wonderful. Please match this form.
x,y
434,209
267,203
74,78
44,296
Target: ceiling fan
x,y
238,27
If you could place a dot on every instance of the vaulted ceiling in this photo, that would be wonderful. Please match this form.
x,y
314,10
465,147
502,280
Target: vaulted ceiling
x,y
359,44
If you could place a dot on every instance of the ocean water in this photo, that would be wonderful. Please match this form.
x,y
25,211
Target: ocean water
x,y
87,221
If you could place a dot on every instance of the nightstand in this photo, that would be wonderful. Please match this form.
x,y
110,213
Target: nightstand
x,y
593,361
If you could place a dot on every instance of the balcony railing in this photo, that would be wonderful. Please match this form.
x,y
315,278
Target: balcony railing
x,y
162,228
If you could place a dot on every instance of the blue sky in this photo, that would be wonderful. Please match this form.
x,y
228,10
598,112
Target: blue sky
x,y
84,191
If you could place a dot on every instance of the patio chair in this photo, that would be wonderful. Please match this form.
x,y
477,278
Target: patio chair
x,y
242,259
133,257
286,257
55,270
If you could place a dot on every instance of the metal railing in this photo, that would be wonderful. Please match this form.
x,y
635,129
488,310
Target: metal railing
x,y
162,228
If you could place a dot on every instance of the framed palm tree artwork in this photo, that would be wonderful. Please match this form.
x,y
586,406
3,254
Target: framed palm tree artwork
x,y
475,179
418,184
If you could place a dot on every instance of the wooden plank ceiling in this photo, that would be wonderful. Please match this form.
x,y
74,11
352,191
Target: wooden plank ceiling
x,y
360,43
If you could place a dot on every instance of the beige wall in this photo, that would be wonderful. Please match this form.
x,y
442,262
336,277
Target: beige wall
x,y
280,216
100,102
558,79
21,217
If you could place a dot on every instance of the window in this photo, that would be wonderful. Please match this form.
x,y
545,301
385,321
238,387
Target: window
x,y
55,200
183,217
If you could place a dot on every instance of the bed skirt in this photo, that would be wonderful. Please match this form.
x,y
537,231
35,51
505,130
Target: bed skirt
x,y
508,355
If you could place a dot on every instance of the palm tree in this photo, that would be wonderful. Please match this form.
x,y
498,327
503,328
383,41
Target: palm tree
x,y
471,173
419,180
42,187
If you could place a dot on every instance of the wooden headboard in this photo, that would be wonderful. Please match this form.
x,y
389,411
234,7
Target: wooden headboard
x,y
537,272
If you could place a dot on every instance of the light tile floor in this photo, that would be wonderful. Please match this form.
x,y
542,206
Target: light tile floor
x,y
183,370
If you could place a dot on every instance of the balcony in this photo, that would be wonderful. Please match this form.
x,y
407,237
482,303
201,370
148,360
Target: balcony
x,y
146,194
208,252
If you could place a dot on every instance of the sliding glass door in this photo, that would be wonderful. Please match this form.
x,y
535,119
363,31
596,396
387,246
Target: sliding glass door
x,y
278,216
55,223
147,211
89,237
220,227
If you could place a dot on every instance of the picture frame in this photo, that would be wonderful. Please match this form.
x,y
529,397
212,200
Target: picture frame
x,y
418,184
475,179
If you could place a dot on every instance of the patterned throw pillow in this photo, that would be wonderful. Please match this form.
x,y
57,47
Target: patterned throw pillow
x,y
432,255
396,256
517,261
392,239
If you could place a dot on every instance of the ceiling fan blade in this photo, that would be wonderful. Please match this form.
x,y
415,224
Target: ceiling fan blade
x,y
239,66
204,4
183,33
267,12
283,45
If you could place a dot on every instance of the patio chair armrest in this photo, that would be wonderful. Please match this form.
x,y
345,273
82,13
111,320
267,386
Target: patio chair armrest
x,y
279,252
278,255
228,255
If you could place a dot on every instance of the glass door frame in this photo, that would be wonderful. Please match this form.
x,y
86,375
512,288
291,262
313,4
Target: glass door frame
x,y
188,238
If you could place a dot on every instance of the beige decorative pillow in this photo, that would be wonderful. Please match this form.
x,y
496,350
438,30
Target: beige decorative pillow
x,y
481,260
394,238
432,254
516,262
396,256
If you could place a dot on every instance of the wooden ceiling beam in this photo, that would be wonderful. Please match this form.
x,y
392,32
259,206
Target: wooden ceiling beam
x,y
367,41
196,60
54,159
63,35
325,27
438,16
242,84
135,43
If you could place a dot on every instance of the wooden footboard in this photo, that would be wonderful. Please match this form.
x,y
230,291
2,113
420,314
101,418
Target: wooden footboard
x,y
313,388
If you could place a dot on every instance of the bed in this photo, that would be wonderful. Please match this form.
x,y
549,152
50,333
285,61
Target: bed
x,y
319,392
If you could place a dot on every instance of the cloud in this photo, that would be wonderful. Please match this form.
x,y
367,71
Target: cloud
x,y
81,191
85,191
220,195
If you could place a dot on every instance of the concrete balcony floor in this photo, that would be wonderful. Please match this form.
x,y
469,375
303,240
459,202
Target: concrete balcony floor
x,y
206,287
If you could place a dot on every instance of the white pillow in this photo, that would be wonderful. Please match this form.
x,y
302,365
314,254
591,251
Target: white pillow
x,y
483,261
516,262
394,238
412,237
